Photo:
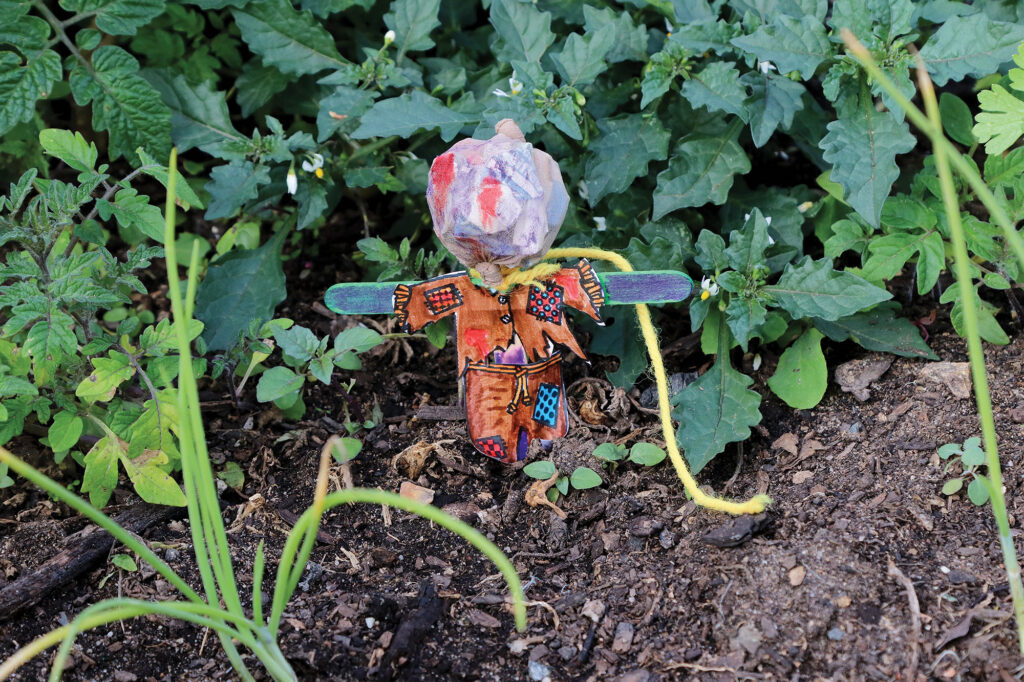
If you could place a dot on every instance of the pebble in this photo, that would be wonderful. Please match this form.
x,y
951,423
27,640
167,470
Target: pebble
x,y
667,539
645,526
593,609
567,652
539,672
171,554
836,634
313,573
635,676
623,638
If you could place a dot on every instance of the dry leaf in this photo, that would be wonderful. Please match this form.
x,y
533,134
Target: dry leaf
x,y
802,476
787,442
483,619
536,495
411,491
797,575
410,462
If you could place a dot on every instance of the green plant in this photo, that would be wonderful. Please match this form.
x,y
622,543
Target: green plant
x,y
946,159
213,556
581,478
611,455
971,458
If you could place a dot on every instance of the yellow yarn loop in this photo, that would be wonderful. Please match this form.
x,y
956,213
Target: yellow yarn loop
x,y
513,277
754,505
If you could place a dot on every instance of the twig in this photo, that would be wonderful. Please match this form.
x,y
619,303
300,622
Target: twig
x,y
915,617
739,467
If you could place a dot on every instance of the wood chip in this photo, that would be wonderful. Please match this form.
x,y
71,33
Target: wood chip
x,y
483,619
411,491
802,477
797,575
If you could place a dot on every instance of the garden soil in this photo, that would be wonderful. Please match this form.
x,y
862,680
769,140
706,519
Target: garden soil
x,y
862,570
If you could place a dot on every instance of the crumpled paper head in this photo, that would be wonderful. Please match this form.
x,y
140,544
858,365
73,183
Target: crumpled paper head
x,y
496,202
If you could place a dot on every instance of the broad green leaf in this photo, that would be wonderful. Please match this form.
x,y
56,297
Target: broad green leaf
x,y
972,455
123,103
71,148
65,431
885,19
100,476
412,21
988,327
277,382
948,450
610,452
582,59
978,491
956,119
358,339
346,102
744,316
298,342
620,337
51,340
16,386
879,330
118,17
717,88
622,153
700,171
199,115
285,38
583,478
974,45
410,113
706,35
862,146
747,246
134,210
542,470
525,32
258,84
646,454
801,376
232,185
124,562
711,252
240,287
1001,120
952,486
108,373
813,289
232,475
346,449
629,42
437,333
789,43
22,83
890,253
715,410
772,103
151,481
186,195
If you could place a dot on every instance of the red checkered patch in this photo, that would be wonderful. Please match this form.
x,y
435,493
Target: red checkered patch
x,y
442,299
492,446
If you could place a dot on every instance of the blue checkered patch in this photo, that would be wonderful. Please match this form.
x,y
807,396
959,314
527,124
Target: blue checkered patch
x,y
546,410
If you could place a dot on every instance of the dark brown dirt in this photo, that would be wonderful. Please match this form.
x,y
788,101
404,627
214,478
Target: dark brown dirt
x,y
625,588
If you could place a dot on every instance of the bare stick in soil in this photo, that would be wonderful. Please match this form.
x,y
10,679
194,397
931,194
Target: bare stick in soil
x,y
409,635
88,547
915,617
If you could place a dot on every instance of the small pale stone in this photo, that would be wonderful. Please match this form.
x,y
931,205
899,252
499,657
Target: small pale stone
x,y
593,609
844,602
797,575
623,638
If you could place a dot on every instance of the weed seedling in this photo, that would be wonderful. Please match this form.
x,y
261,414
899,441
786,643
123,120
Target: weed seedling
x,y
971,457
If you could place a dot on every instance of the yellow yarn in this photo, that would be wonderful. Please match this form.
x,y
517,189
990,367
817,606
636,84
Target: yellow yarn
x,y
513,277
754,505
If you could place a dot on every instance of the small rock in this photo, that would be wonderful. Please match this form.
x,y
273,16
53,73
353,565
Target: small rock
x,y
635,676
769,628
737,531
836,634
539,652
797,575
748,638
1017,415
124,676
567,652
171,554
667,539
411,491
962,578
623,638
692,653
844,602
382,556
483,619
463,511
802,477
857,375
955,376
593,609
539,672
645,526
313,573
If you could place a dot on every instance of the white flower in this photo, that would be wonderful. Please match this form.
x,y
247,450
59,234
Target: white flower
x,y
805,207
500,93
292,180
389,38
756,364
515,85
601,222
669,28
581,188
765,67
314,164
771,242
708,288
768,220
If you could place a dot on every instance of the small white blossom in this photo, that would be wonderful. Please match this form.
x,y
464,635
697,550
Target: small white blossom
x,y
669,28
498,92
389,38
805,207
708,288
768,220
292,180
601,222
756,364
765,67
314,163
581,188
771,242
515,85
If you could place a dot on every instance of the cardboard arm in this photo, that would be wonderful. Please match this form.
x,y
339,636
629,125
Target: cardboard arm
x,y
620,288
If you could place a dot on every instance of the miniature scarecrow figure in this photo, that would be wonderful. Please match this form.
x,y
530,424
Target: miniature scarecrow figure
x,y
497,205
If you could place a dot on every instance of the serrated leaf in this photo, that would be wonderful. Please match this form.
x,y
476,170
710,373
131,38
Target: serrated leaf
x,y
412,21
974,45
51,340
744,315
885,19
646,454
879,330
298,342
134,210
16,386
773,102
347,102
123,103
239,287
21,84
186,195
890,253
583,478
622,153
410,113
862,145
715,410
582,58
525,32
1001,120
285,38
813,289
199,115
700,171
108,373
801,376
717,88
65,431
152,483
706,35
118,17
276,383
747,246
620,337
630,40
790,43
232,185
541,470
71,148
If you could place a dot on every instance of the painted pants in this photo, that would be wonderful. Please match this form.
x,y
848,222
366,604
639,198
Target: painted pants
x,y
507,406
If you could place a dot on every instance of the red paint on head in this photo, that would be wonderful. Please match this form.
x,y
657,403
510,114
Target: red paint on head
x,y
442,172
571,285
490,193
477,338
